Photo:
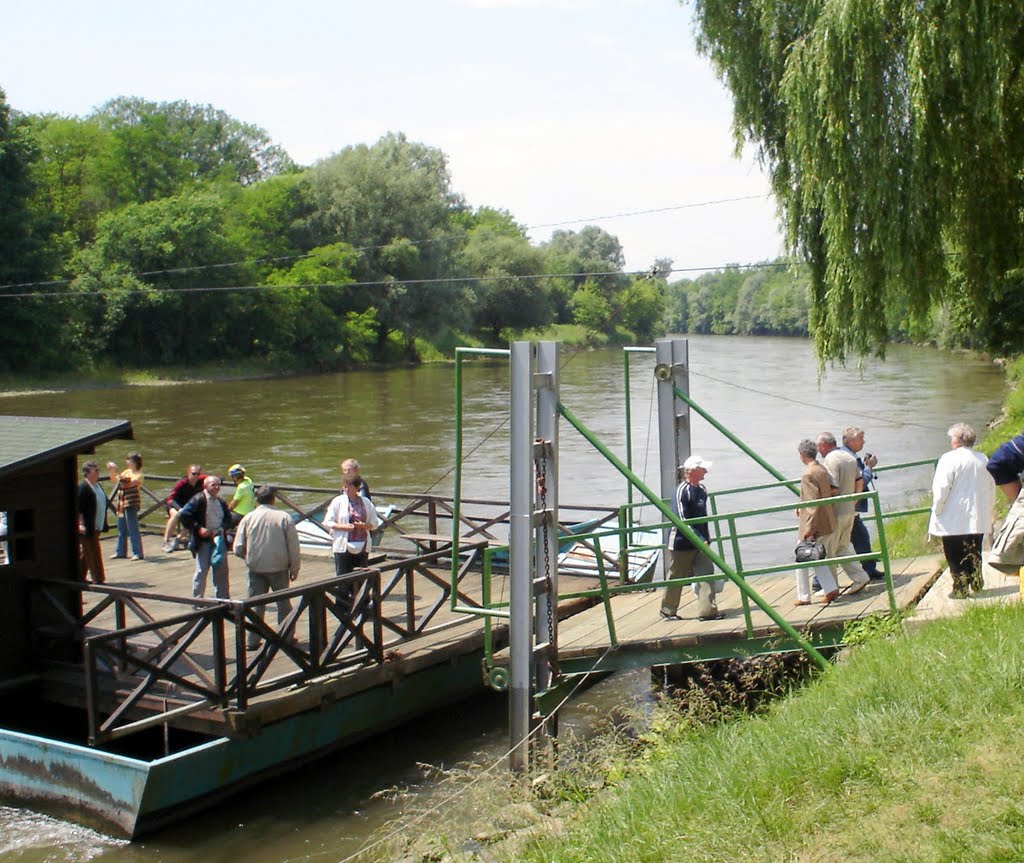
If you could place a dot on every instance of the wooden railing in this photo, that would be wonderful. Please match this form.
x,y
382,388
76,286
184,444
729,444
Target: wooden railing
x,y
149,658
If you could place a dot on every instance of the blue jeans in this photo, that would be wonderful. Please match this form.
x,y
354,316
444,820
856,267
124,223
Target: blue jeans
x,y
861,540
128,528
221,587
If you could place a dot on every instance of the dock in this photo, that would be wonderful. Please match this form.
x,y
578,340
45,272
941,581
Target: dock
x,y
640,637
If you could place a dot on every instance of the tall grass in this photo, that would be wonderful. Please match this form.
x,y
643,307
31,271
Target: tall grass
x,y
908,750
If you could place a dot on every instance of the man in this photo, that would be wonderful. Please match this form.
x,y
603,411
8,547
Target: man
x,y
92,522
184,490
244,500
844,477
269,544
207,517
690,501
350,473
853,443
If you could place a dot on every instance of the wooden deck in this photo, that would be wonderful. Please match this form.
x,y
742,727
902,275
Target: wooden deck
x,y
643,637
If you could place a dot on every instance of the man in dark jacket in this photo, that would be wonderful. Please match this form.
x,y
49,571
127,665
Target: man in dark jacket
x,y
207,518
92,523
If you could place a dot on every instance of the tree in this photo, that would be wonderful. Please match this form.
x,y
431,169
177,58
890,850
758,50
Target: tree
x,y
507,291
893,133
642,307
39,333
159,147
393,202
147,280
589,255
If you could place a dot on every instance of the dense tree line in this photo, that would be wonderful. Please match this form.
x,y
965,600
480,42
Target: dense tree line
x,y
150,234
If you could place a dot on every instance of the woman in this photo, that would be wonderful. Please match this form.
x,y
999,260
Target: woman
x,y
963,496
816,523
350,517
127,496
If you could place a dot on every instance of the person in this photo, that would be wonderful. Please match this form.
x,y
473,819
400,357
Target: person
x,y
845,479
963,497
690,501
350,517
1006,465
860,537
127,496
92,523
206,517
184,490
350,471
269,544
244,500
817,523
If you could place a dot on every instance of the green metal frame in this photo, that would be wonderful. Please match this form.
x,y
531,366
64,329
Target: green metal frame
x,y
789,638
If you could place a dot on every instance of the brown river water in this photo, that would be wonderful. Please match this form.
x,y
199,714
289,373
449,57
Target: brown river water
x,y
399,424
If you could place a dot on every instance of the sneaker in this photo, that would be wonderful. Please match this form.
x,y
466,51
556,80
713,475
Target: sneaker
x,y
170,546
711,615
857,586
117,557
136,557
669,616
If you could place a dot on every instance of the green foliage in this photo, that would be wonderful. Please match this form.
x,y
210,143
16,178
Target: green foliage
x,y
591,309
642,308
892,133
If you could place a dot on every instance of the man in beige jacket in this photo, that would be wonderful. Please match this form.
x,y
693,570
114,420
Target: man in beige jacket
x,y
269,544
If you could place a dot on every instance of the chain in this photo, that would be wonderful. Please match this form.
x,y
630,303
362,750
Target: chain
x,y
542,495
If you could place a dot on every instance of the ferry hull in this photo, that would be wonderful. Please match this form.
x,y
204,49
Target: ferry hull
x,y
127,797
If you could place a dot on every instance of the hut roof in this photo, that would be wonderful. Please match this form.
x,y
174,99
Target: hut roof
x,y
26,441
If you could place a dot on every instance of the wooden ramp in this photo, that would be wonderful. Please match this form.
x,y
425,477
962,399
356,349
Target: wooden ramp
x,y
644,638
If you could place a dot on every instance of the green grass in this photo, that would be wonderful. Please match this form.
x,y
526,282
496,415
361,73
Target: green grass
x,y
907,751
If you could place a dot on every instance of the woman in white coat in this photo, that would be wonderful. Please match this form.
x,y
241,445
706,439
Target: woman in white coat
x,y
963,498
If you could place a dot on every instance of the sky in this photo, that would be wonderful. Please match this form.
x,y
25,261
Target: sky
x,y
562,112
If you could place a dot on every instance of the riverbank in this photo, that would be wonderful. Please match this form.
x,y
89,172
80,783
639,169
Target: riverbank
x,y
440,350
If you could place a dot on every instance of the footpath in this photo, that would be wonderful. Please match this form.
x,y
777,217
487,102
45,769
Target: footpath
x,y
999,587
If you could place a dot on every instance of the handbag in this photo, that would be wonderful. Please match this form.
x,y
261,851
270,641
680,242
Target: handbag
x,y
809,550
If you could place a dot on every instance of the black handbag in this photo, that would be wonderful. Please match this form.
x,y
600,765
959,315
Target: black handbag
x,y
809,550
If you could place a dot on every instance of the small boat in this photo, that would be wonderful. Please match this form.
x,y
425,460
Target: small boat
x,y
580,557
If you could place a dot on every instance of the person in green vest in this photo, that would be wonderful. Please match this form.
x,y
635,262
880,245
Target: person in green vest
x,y
244,500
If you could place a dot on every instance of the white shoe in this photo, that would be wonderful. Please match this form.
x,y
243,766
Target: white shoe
x,y
857,586
170,546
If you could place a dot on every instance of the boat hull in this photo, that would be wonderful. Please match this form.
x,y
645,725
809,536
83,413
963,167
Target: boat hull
x,y
128,797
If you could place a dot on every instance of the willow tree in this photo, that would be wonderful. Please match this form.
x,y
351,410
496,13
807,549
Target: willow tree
x,y
893,134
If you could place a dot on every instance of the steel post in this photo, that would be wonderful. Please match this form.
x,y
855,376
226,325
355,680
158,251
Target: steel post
x,y
520,517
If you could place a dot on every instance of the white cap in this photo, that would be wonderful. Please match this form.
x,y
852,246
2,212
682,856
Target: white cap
x,y
696,461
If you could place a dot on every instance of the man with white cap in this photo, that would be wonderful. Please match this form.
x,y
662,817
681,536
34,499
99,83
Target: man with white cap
x,y
690,501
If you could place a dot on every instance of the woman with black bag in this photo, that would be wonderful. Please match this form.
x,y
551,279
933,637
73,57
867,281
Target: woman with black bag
x,y
816,522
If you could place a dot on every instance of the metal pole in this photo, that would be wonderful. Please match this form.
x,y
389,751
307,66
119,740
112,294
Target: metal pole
x,y
672,373
546,542
520,594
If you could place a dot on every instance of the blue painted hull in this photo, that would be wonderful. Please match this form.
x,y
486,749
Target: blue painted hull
x,y
128,796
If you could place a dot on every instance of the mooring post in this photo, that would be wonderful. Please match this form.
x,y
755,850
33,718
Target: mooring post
x,y
672,371
545,564
520,561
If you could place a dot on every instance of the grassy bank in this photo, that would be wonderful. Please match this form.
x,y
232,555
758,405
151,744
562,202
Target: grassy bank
x,y
908,750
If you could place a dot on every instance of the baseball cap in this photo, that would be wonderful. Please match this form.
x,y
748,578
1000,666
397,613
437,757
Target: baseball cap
x,y
696,461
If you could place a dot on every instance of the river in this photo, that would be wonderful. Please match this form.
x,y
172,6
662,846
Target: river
x,y
399,424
